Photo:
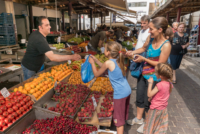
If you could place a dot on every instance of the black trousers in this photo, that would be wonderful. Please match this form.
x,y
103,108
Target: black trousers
x,y
141,93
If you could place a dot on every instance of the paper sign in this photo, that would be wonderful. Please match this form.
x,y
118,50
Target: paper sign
x,y
102,49
5,92
55,85
59,39
9,51
84,39
94,102
69,62
86,48
76,35
128,43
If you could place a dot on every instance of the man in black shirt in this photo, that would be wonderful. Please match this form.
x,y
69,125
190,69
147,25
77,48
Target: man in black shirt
x,y
38,48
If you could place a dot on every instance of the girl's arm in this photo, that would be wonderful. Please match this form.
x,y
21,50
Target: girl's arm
x,y
96,60
150,92
103,68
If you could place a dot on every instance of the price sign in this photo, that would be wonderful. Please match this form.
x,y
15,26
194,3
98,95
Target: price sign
x,y
69,62
76,35
102,49
55,84
84,39
128,43
94,102
5,92
86,48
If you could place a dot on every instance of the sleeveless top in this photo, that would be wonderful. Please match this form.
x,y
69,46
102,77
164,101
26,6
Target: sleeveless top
x,y
119,82
152,54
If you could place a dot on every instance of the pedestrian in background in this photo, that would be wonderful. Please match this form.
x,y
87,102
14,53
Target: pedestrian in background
x,y
175,27
157,117
179,48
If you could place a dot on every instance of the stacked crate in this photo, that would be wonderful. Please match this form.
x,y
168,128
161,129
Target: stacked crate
x,y
7,32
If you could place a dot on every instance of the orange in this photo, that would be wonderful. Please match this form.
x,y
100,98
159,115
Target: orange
x,y
28,88
16,89
35,95
32,91
25,92
32,86
20,87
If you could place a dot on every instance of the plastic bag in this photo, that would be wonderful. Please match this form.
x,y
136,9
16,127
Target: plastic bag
x,y
86,71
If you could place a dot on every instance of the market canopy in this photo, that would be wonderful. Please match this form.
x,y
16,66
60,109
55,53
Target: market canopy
x,y
171,7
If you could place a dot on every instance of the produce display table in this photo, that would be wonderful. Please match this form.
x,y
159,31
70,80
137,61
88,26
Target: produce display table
x,y
5,48
95,120
9,73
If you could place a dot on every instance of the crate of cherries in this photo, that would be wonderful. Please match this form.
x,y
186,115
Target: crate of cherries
x,y
106,108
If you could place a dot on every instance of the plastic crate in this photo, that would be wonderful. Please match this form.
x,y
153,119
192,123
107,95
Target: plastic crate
x,y
6,40
6,18
7,29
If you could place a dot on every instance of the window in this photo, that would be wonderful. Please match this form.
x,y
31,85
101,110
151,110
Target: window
x,y
137,4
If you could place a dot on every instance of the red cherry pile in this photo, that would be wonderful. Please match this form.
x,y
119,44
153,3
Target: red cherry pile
x,y
59,125
12,108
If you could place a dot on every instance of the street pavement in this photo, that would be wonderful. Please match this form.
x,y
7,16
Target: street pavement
x,y
183,108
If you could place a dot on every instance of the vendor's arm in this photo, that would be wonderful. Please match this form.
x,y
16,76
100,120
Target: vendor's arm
x,y
103,68
100,43
150,92
60,58
140,50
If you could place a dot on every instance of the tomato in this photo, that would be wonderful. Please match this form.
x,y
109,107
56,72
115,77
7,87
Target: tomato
x,y
9,124
10,110
15,97
21,109
12,102
14,114
31,102
11,117
2,102
18,93
8,105
16,100
1,98
28,98
18,112
11,96
25,107
1,118
1,111
18,105
2,123
3,108
7,120
4,128
24,112
30,107
5,113
22,102
23,95
15,108
13,121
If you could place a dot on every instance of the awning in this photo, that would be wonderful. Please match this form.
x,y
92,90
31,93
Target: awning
x,y
171,7
121,25
120,5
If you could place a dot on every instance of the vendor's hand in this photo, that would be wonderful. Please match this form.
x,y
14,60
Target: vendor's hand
x,y
129,53
150,80
91,60
139,59
76,57
94,58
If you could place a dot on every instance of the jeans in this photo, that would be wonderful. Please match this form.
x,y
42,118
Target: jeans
x,y
27,73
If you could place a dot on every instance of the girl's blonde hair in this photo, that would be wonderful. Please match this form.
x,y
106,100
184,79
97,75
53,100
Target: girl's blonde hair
x,y
166,71
114,48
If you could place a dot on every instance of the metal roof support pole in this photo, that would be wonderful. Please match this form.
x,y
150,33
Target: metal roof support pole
x,y
79,21
101,18
178,14
110,20
167,17
91,14
83,21
63,20
70,12
30,17
104,19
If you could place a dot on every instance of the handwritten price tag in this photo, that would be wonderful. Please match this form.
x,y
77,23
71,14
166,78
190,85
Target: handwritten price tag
x,y
5,92
94,102
128,43
86,48
69,62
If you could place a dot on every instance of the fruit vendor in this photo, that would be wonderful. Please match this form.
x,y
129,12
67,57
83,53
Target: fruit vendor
x,y
38,48
99,38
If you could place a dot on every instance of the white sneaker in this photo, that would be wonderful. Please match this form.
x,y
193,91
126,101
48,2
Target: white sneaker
x,y
135,121
141,129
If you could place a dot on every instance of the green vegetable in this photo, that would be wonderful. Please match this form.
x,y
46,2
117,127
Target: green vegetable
x,y
125,44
